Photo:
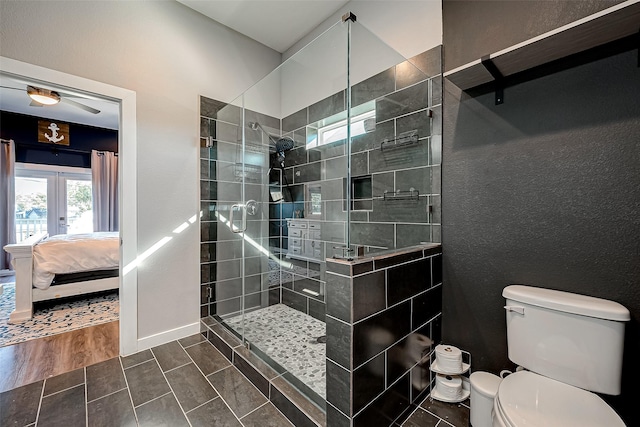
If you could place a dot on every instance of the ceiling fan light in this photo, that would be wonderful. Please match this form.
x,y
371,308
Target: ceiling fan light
x,y
43,96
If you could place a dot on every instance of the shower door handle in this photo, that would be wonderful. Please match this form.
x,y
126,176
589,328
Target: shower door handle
x,y
243,208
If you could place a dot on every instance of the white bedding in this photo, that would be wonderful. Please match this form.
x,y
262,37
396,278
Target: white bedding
x,y
74,253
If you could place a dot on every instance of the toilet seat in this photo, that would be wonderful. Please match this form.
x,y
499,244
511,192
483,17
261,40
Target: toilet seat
x,y
526,399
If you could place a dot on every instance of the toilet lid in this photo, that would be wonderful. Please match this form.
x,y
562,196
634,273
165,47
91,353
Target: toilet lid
x,y
528,399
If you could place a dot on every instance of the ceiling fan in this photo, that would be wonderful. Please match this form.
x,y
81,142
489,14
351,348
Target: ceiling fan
x,y
41,97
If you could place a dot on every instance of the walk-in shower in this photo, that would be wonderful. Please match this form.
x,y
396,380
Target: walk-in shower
x,y
336,153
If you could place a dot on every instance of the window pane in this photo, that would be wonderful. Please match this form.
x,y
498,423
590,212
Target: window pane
x,y
79,207
31,207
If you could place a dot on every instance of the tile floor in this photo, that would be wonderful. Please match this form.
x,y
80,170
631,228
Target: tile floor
x,y
432,413
182,383
289,337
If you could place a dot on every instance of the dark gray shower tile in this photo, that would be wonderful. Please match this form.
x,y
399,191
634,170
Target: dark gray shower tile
x,y
63,381
403,102
368,382
317,309
408,156
213,413
436,269
418,178
66,408
208,231
146,382
359,164
265,416
426,306
419,121
381,182
228,191
436,209
256,378
372,140
374,87
293,405
335,168
408,73
332,232
338,296
136,359
228,270
265,120
436,120
295,120
328,151
207,358
412,234
429,62
339,387
436,91
335,418
400,210
393,323
190,387
204,127
372,234
408,280
230,113
435,153
20,405
302,283
104,378
339,342
164,411
241,396
368,294
210,107
294,300
307,173
112,410
387,407
327,107
227,132
297,156
332,189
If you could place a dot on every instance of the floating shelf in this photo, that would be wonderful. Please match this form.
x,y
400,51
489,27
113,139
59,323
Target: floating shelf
x,y
608,25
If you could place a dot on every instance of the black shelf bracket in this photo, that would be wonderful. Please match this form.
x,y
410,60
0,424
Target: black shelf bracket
x,y
349,16
497,76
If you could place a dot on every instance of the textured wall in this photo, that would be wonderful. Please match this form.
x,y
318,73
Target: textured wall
x,y
543,191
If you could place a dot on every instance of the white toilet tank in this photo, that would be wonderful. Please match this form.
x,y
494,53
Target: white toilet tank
x,y
571,338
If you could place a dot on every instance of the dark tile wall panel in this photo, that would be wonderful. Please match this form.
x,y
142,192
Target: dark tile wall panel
x,y
383,323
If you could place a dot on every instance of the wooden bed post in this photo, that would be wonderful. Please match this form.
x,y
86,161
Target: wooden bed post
x,y
22,261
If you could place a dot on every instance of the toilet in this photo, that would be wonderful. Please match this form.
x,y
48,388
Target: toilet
x,y
570,346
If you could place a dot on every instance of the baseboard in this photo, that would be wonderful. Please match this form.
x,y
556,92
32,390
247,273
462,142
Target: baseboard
x,y
168,336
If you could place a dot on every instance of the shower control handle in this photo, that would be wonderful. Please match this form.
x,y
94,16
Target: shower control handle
x,y
243,208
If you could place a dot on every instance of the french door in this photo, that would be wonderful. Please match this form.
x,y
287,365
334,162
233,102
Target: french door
x,y
53,199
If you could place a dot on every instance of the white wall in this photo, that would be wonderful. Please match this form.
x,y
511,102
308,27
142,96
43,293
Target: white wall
x,y
386,33
169,55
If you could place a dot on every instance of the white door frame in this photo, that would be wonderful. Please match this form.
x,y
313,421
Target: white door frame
x,y
126,174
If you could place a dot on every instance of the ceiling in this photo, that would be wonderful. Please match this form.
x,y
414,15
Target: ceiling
x,y
278,24
14,98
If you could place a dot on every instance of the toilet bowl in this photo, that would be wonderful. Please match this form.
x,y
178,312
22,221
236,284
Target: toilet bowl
x,y
528,399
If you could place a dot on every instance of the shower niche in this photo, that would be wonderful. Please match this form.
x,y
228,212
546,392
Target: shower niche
x,y
297,170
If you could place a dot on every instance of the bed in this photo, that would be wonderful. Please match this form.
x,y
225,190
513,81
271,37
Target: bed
x,y
62,266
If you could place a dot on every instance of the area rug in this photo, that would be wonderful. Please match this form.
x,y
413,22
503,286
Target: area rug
x,y
55,318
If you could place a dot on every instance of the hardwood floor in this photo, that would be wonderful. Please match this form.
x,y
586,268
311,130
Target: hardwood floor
x,y
35,360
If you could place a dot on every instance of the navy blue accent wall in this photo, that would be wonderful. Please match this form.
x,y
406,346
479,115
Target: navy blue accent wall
x,y
23,129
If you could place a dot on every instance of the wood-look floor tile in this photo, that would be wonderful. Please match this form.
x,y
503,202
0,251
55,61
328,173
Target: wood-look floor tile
x,y
20,406
421,418
146,382
455,413
190,387
241,396
213,413
208,358
136,359
170,355
114,410
266,416
162,412
35,360
104,378
64,409
63,381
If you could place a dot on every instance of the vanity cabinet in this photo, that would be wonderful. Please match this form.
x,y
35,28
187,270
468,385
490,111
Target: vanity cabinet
x,y
304,239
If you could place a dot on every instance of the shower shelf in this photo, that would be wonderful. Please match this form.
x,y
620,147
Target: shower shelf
x,y
402,140
410,194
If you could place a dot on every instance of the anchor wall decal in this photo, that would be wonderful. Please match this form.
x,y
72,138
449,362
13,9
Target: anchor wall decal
x,y
54,137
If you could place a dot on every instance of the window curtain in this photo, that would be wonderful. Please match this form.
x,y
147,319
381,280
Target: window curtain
x,y
7,200
104,177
